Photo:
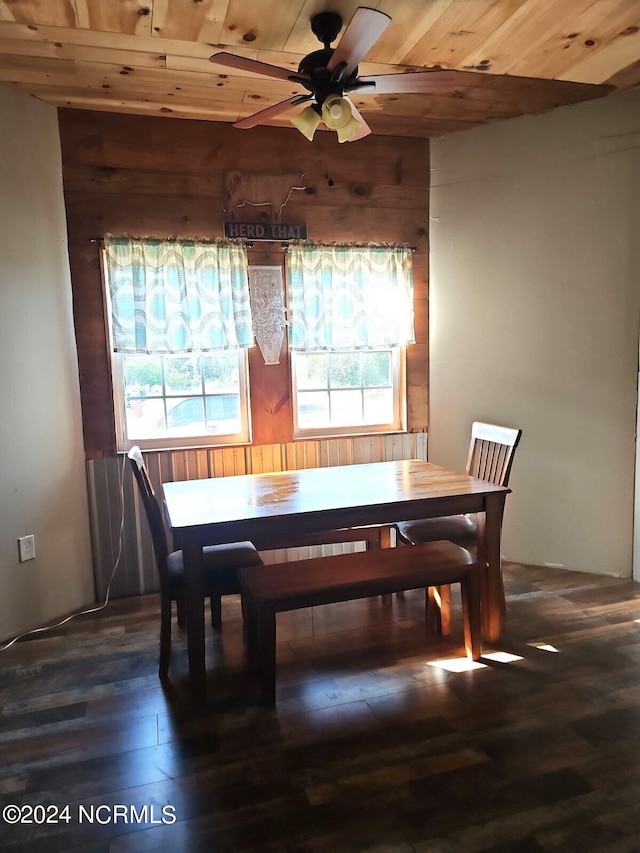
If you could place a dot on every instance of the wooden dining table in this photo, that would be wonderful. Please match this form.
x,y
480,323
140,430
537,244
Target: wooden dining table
x,y
272,509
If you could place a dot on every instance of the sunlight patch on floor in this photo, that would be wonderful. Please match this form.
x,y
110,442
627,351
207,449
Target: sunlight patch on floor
x,y
546,647
502,657
457,664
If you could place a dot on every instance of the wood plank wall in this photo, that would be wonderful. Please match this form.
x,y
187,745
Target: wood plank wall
x,y
154,176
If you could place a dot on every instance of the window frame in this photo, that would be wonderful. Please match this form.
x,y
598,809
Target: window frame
x,y
399,386
159,443
124,443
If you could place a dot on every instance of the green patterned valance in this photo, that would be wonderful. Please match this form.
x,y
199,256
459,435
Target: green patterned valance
x,y
347,297
176,296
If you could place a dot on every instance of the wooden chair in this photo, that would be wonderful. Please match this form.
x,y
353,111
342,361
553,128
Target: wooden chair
x,y
491,454
221,565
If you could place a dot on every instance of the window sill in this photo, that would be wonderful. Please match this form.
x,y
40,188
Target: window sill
x,y
347,432
153,446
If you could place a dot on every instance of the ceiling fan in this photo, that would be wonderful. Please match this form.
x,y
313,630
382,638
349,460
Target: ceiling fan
x,y
330,74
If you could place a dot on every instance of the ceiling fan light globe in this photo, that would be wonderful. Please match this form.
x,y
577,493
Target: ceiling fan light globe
x,y
336,112
306,121
349,130
338,115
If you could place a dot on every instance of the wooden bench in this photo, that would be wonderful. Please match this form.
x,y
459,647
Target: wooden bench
x,y
272,589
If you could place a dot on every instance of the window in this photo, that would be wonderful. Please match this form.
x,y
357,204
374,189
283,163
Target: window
x,y
348,392
180,323
170,401
350,316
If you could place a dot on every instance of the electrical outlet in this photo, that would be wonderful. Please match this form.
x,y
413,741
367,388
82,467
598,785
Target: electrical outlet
x,y
27,547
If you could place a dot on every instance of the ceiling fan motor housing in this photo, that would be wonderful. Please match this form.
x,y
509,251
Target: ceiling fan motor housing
x,y
321,81
326,26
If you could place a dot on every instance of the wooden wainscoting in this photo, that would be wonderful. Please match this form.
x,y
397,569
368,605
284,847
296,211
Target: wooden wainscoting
x,y
111,486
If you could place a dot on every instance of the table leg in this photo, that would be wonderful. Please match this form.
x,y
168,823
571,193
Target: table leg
x,y
384,541
194,600
489,549
384,537
266,632
471,609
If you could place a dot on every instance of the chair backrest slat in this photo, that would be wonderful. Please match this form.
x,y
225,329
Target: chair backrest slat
x,y
151,506
491,452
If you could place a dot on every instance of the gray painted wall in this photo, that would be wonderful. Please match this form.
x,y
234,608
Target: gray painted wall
x,y
535,307
42,473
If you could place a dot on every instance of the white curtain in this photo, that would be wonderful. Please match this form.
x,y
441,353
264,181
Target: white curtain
x,y
177,296
347,297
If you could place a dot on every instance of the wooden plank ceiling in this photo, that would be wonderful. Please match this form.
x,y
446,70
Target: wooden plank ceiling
x,y
151,56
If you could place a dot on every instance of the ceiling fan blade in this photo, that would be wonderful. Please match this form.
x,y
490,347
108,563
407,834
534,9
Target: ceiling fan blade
x,y
362,32
411,83
446,82
365,130
241,63
269,112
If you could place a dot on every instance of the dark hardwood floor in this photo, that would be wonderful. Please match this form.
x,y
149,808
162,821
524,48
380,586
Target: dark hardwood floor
x,y
373,746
